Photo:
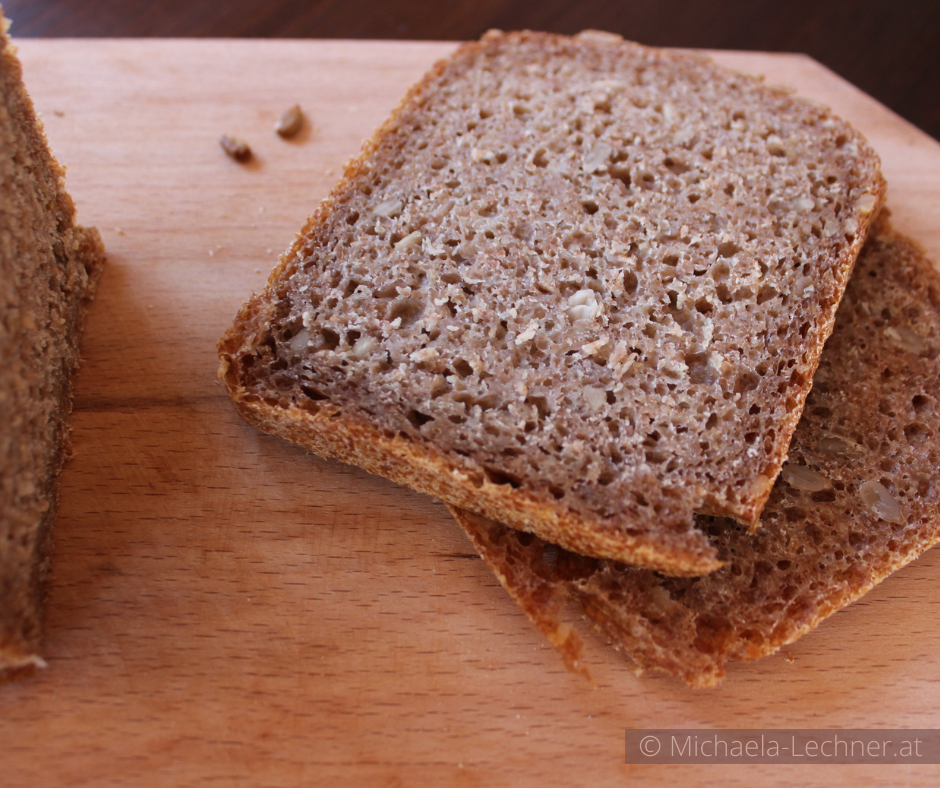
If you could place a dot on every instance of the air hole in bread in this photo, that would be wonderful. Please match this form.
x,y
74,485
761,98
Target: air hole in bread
x,y
418,419
407,310
313,394
497,476
329,338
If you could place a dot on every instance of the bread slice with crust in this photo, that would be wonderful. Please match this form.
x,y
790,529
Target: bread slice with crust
x,y
577,285
48,269
858,499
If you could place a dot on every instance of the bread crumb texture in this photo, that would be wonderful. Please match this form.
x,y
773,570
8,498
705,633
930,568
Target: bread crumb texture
x,y
48,267
858,499
575,284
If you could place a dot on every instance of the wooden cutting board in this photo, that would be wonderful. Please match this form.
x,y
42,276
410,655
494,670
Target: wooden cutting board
x,y
227,609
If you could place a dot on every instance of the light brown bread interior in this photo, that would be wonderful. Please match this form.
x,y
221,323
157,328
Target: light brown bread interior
x,y
573,284
48,269
858,499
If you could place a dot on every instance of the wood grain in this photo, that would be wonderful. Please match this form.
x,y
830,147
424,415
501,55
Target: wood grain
x,y
227,609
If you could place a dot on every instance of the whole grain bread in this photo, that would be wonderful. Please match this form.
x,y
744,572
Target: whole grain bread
x,y
858,498
48,269
574,284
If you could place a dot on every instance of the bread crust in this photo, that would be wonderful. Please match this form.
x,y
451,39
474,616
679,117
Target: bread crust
x,y
661,537
328,433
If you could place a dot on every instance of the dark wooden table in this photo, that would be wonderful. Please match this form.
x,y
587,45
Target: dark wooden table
x,y
888,48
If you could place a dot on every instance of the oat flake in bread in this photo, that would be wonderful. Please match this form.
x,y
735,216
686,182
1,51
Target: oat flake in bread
x,y
574,284
858,499
48,269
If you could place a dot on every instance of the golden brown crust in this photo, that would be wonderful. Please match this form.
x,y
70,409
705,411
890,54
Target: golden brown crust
x,y
328,433
760,488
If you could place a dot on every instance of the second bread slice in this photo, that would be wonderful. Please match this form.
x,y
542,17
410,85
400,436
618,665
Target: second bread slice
x,y
577,285
857,500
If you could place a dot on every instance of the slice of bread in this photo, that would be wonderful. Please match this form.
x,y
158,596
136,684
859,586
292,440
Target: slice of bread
x,y
574,284
858,499
48,268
